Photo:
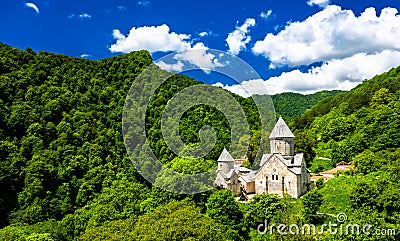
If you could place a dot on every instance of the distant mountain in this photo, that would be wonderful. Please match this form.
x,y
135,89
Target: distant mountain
x,y
292,105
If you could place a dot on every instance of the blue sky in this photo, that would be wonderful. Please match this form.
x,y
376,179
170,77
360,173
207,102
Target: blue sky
x,y
300,46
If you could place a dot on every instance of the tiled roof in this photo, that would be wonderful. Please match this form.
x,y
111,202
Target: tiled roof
x,y
297,159
225,156
315,178
281,130
248,177
264,159
241,169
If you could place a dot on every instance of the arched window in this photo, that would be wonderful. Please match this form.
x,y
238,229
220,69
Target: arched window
x,y
274,175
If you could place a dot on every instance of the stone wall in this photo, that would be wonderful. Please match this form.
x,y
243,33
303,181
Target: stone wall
x,y
287,181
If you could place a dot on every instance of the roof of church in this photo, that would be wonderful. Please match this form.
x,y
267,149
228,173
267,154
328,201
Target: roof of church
x,y
240,169
248,177
281,130
293,165
297,159
225,156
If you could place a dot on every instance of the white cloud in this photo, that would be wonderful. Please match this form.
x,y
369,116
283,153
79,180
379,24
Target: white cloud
x,y
238,39
246,88
330,34
84,15
80,16
151,38
33,6
161,39
197,56
342,74
85,55
203,34
320,3
207,33
177,67
266,15
144,3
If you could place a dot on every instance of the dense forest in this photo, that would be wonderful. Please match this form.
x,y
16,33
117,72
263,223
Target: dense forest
x,y
291,105
360,126
65,173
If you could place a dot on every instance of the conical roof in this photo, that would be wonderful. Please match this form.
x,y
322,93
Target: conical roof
x,y
281,130
225,156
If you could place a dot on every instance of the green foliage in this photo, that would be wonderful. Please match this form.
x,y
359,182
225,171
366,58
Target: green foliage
x,y
312,202
319,165
222,207
194,118
262,207
61,148
291,105
246,164
177,221
359,97
319,182
344,134
60,131
122,199
377,191
65,174
341,152
305,143
190,165
382,97
39,237
336,195
117,230
49,230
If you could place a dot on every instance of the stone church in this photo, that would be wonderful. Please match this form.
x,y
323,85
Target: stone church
x,y
280,172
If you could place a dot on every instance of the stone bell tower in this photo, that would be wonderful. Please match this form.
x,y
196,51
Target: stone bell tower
x,y
282,139
225,162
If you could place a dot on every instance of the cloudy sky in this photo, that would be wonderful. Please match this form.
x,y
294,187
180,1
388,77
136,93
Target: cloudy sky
x,y
300,46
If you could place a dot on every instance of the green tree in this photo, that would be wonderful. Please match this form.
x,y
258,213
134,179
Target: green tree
x,y
381,98
312,202
39,237
305,143
116,230
261,207
222,207
341,152
177,221
246,164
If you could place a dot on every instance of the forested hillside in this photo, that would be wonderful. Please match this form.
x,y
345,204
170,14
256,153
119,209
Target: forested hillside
x,y
360,126
64,168
65,173
361,120
292,105
359,97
